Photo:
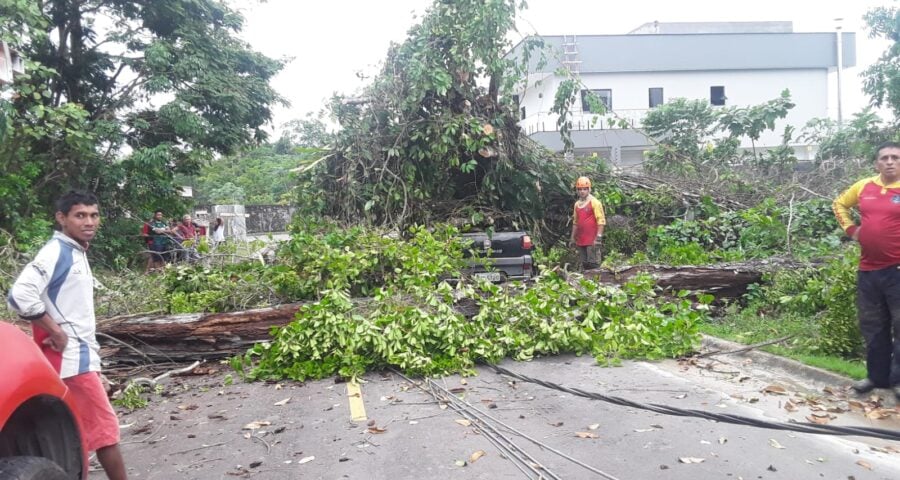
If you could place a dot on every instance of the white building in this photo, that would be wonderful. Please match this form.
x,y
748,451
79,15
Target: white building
x,y
730,64
11,63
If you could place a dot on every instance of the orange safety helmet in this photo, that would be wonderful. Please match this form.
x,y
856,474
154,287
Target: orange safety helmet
x,y
583,182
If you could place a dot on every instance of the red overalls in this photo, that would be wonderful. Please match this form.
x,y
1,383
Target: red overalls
x,y
586,228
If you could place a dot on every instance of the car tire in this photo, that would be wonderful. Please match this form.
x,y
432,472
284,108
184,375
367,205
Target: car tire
x,y
30,468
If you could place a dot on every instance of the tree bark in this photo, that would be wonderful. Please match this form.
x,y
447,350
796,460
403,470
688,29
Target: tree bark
x,y
723,281
191,336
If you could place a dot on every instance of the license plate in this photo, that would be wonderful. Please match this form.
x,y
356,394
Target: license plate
x,y
490,276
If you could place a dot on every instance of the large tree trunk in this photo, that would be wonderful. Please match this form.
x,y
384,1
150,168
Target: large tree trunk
x,y
723,281
191,336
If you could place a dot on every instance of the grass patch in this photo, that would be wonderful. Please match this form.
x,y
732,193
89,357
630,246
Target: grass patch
x,y
749,326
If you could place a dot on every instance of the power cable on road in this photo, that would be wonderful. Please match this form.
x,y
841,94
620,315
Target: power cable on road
x,y
543,445
487,424
881,433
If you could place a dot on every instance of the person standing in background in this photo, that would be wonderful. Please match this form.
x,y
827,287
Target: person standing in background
x,y
588,223
218,232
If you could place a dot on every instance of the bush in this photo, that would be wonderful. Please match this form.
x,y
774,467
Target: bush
x,y
758,232
840,333
827,292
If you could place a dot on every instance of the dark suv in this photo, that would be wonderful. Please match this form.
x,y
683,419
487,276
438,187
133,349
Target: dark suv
x,y
500,256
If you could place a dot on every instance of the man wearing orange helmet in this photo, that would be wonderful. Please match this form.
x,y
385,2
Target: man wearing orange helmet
x,y
588,222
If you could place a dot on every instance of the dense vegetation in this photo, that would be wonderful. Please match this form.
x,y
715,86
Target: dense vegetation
x,y
118,98
413,318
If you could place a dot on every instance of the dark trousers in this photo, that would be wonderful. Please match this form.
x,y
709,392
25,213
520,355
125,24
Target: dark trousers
x,y
878,304
589,256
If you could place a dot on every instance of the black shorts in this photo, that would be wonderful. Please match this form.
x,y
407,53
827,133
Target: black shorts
x,y
156,252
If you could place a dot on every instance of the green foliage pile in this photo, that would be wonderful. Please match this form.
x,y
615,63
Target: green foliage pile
x,y
320,256
758,232
643,210
414,327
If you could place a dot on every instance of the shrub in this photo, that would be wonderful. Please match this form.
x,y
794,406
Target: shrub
x,y
840,331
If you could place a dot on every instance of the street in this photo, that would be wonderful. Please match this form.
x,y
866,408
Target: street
x,y
207,430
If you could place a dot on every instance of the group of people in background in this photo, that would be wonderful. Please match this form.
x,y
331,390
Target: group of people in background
x,y
173,241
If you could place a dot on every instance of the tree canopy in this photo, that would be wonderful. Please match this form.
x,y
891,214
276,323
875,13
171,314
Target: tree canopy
x,y
882,78
434,136
120,96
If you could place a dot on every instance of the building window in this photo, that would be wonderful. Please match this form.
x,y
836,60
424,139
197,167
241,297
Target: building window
x,y
605,96
717,95
515,100
522,113
656,97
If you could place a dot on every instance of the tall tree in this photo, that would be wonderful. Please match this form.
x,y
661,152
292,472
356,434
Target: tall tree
x,y
882,78
435,134
122,95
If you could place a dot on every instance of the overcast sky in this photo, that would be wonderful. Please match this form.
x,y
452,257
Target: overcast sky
x,y
332,41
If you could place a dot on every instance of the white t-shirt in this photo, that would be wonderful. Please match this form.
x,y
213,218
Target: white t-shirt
x,y
219,234
59,282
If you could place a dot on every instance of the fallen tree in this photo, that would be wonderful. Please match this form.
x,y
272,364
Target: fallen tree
x,y
722,281
189,336
208,336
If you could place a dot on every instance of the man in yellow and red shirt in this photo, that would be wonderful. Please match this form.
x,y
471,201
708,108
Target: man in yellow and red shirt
x,y
588,222
878,279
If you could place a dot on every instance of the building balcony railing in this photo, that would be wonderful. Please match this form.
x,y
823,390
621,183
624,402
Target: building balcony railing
x,y
617,119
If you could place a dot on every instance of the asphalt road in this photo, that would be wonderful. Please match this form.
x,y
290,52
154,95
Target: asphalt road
x,y
198,430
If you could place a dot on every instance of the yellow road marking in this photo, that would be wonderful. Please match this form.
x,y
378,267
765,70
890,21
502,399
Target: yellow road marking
x,y
357,407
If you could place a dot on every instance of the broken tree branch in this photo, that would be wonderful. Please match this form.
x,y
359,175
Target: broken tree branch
x,y
745,349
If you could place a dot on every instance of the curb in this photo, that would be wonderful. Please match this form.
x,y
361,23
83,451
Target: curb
x,y
793,367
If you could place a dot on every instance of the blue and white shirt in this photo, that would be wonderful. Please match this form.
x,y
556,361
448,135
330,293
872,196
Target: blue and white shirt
x,y
59,282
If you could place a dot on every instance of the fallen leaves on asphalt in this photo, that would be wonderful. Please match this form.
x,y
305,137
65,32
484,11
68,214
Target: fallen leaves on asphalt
x,y
691,460
586,435
475,456
775,390
819,418
256,425
774,443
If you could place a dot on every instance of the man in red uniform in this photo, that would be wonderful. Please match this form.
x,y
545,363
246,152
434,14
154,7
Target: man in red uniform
x,y
878,279
588,222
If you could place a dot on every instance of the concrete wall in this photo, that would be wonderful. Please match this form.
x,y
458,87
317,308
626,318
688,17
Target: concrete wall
x,y
268,218
243,220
